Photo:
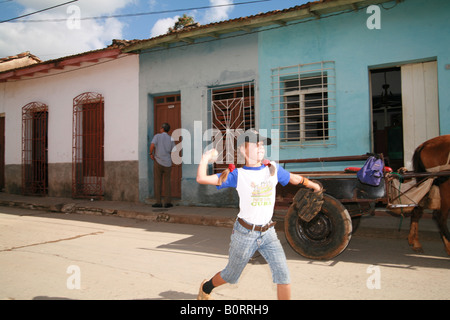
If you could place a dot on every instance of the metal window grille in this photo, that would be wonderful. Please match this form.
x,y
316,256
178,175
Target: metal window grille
x,y
303,104
34,149
87,146
232,112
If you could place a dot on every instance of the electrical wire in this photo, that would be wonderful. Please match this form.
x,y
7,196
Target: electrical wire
x,y
39,11
128,15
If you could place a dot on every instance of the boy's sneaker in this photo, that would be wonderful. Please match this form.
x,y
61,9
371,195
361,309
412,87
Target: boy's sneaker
x,y
203,295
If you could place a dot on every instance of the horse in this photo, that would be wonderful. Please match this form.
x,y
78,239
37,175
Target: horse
x,y
434,153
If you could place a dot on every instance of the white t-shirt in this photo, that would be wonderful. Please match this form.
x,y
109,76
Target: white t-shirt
x,y
256,189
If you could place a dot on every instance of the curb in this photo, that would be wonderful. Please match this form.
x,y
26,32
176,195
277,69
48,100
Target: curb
x,y
159,215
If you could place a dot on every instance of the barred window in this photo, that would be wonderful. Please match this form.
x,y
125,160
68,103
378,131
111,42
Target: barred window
x,y
232,111
303,104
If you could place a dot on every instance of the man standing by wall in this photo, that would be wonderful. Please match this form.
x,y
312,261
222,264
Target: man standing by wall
x,y
160,152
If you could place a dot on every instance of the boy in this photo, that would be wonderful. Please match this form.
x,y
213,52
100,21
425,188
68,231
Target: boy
x,y
253,229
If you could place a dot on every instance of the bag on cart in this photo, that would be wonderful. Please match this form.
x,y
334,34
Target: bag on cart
x,y
372,171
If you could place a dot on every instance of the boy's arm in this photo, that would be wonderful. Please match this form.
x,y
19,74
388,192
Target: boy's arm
x,y
202,175
298,179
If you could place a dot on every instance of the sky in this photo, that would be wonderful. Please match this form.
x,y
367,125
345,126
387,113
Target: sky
x,y
69,28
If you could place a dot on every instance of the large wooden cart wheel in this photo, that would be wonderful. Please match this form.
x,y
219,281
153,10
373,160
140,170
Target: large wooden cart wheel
x,y
325,236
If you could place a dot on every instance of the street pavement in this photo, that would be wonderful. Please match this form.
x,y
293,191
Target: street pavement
x,y
67,249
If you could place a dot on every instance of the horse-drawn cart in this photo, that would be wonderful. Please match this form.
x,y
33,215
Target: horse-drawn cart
x,y
346,199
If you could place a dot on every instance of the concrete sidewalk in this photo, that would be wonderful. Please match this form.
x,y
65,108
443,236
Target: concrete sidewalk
x,y
211,216
379,225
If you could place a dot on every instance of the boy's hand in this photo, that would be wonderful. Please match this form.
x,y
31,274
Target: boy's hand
x,y
315,186
202,175
210,156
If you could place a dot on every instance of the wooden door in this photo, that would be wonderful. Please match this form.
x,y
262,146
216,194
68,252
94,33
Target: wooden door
x,y
88,148
420,106
34,149
168,109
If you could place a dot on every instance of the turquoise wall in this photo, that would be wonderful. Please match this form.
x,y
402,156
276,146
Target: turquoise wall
x,y
411,31
190,70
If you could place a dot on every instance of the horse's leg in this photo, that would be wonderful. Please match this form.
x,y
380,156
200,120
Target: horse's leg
x,y
446,244
442,215
413,237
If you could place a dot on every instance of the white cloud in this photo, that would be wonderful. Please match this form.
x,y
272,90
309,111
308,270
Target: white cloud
x,y
218,13
50,40
162,25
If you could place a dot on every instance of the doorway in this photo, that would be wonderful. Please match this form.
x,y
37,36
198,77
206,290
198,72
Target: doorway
x,y
405,110
88,146
387,115
34,149
168,109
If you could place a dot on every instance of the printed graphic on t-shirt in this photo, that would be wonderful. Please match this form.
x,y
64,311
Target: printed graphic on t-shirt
x,y
261,193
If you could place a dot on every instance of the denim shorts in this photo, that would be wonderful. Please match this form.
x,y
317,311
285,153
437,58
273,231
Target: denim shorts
x,y
244,243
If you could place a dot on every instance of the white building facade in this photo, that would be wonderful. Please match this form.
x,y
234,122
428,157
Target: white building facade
x,y
55,144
